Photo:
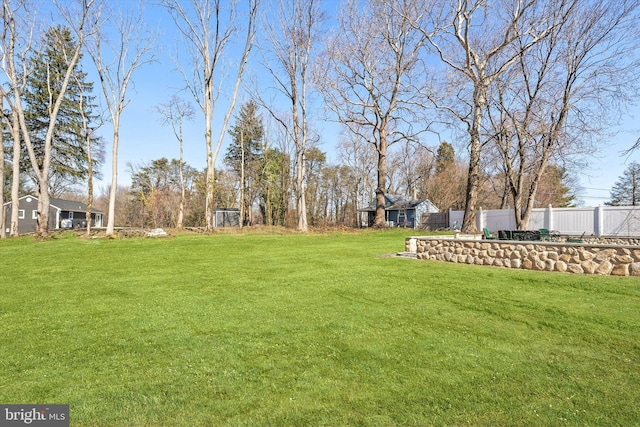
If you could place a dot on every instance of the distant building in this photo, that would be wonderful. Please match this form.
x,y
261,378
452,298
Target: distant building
x,y
226,218
399,211
62,214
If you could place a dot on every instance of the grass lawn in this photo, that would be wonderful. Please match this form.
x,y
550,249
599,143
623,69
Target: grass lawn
x,y
292,329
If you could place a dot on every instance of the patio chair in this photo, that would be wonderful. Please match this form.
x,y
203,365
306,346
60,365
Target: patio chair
x,y
488,235
544,234
576,240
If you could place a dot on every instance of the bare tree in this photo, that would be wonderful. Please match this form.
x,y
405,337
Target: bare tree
x,y
77,18
88,133
290,39
117,54
361,159
474,40
368,80
16,44
3,118
562,92
208,30
174,112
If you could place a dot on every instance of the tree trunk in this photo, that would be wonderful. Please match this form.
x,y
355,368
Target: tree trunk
x,y
380,218
182,186
208,114
242,183
2,210
114,180
473,178
89,186
15,177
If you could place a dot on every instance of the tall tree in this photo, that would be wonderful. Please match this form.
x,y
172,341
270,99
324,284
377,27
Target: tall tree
x,y
245,156
556,188
371,67
443,182
360,159
208,28
2,167
17,32
626,190
562,92
156,192
77,19
117,54
445,157
175,112
290,39
274,188
69,157
475,42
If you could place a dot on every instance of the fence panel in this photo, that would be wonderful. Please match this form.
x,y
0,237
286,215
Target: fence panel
x,y
621,220
574,220
455,219
538,219
499,219
601,220
434,221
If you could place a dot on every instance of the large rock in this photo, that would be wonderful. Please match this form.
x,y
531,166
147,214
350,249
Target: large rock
x,y
605,268
561,266
589,266
575,269
620,270
157,232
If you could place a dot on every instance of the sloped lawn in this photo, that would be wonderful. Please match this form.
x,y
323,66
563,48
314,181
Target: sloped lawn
x,y
291,329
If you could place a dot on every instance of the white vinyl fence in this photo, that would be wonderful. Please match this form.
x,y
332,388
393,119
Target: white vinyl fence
x,y
623,221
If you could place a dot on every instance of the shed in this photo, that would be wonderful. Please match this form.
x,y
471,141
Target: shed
x,y
226,217
62,214
399,211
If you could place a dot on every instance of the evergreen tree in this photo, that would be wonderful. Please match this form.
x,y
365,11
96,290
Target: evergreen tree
x,y
69,164
555,188
247,137
274,193
445,157
626,190
245,155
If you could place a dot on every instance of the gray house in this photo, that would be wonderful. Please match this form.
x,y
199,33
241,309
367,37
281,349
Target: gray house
x,y
399,211
62,214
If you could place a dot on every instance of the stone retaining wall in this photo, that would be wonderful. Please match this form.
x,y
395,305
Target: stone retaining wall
x,y
579,258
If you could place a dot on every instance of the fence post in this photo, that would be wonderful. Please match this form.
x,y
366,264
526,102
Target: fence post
x,y
480,219
548,220
599,220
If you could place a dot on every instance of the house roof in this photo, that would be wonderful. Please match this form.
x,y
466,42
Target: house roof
x,y
64,205
71,206
396,202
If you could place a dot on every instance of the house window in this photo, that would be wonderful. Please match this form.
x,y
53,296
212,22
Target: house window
x,y
34,214
20,213
70,215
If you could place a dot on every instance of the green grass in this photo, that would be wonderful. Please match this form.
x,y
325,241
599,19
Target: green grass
x,y
292,329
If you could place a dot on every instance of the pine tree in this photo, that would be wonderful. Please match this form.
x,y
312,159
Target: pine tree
x,y
247,137
69,163
445,157
626,190
245,155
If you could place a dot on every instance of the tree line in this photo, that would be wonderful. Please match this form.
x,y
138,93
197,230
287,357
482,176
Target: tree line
x,y
524,88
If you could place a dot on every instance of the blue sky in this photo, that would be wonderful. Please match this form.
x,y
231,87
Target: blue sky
x,y
144,139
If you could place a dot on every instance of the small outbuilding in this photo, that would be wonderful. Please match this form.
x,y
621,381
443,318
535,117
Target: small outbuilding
x,y
399,211
63,214
226,218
